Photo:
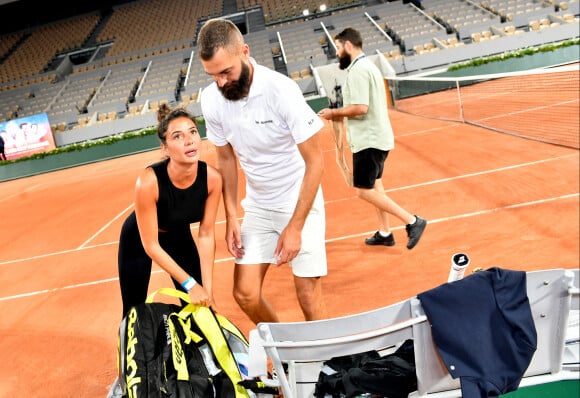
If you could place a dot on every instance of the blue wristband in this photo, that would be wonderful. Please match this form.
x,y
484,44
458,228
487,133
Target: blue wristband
x,y
189,284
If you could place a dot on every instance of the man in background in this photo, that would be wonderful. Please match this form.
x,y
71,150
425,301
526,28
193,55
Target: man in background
x,y
370,136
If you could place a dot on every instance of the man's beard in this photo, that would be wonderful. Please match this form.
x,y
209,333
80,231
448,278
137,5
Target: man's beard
x,y
344,61
236,90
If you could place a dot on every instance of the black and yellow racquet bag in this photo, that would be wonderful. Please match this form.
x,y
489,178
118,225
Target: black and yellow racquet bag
x,y
166,350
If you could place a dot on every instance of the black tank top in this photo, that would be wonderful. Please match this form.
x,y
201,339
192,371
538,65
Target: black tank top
x,y
177,208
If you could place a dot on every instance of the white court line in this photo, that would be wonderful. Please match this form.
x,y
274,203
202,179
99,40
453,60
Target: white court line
x,y
79,285
27,189
435,221
446,127
472,214
528,110
85,245
491,171
105,226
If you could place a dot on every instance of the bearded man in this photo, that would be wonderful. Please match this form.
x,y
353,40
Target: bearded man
x,y
370,137
260,118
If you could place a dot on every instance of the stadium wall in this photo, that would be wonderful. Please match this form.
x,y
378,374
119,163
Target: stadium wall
x,y
425,62
559,56
58,161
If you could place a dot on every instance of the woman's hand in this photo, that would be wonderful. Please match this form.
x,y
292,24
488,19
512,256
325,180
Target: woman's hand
x,y
199,296
214,306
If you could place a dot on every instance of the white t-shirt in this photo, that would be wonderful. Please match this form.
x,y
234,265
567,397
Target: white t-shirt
x,y
264,130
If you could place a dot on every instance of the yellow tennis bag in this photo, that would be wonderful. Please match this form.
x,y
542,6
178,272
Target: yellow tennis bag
x,y
186,352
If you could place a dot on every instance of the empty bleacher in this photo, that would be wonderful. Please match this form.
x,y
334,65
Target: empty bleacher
x,y
370,23
154,23
142,53
37,49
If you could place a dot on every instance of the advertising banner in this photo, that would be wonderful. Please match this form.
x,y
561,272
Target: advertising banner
x,y
27,136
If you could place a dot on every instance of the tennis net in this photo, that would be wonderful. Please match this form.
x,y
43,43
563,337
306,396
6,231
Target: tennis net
x,y
541,104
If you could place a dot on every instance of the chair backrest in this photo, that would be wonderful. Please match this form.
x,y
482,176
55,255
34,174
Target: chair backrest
x,y
574,289
571,356
550,301
303,346
432,375
338,327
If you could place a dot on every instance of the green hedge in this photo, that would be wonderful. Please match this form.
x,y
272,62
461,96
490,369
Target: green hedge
x,y
516,54
78,154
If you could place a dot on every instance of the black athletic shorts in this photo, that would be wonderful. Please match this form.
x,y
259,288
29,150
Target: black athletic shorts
x,y
368,166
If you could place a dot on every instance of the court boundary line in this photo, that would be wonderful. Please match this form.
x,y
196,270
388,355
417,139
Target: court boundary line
x,y
330,240
448,179
471,214
527,110
427,183
107,225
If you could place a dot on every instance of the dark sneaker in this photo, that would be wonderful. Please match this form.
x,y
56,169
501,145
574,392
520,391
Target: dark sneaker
x,y
378,239
414,231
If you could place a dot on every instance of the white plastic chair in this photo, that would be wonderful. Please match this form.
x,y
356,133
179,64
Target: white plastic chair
x,y
303,346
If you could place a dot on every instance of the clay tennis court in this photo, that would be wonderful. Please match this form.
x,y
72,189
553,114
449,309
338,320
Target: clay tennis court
x,y
505,201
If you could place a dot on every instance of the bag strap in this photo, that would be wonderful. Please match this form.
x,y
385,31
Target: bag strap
x,y
208,323
177,353
171,292
230,327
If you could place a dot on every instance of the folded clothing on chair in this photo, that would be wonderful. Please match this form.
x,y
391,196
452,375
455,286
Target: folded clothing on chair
x,y
391,375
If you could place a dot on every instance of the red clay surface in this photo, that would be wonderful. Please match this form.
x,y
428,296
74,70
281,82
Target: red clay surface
x,y
505,201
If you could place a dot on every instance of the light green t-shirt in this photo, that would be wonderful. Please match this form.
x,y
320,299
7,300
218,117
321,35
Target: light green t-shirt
x,y
365,85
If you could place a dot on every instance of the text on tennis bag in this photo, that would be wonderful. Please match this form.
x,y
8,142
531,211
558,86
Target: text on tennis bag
x,y
132,381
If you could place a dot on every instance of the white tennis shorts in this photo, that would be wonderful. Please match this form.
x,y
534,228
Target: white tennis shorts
x,y
261,229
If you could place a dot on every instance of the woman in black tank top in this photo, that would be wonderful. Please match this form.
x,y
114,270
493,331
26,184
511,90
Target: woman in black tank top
x,y
169,196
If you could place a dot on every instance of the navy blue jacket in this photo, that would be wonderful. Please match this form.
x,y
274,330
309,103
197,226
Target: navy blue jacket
x,y
484,331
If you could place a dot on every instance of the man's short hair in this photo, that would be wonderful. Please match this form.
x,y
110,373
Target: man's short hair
x,y
352,35
217,33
